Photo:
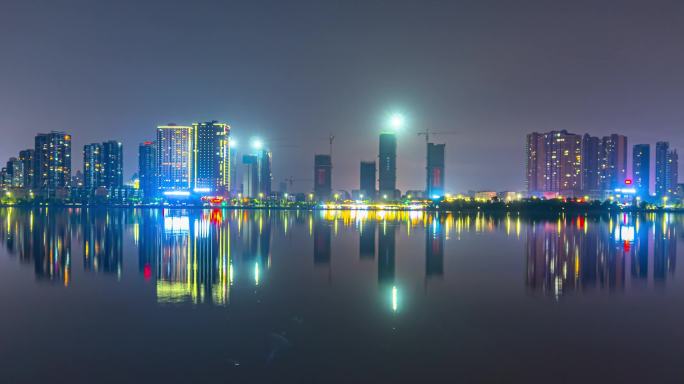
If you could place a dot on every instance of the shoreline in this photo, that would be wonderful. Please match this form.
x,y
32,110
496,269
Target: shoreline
x,y
469,208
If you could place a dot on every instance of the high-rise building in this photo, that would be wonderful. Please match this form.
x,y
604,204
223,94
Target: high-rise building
x,y
591,165
662,149
14,173
554,163
250,176
322,176
666,170
535,165
367,182
613,162
174,157
265,175
211,157
387,166
27,158
92,167
672,179
435,170
641,168
147,169
235,185
112,164
52,171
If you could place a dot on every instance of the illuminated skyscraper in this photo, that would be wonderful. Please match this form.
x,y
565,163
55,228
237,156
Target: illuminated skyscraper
x,y
112,164
27,157
147,169
435,170
174,157
554,163
591,165
103,166
661,150
367,182
52,162
613,162
265,175
666,169
535,166
387,167
92,167
14,173
641,168
322,176
211,157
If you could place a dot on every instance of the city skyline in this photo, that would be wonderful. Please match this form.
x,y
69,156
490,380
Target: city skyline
x,y
491,77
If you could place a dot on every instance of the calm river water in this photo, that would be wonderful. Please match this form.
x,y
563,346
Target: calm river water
x,y
94,295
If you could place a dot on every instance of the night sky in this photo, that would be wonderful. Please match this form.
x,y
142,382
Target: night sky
x,y
292,72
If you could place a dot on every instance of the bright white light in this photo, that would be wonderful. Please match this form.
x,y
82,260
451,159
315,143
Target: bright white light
x,y
257,144
397,121
202,189
177,224
177,193
395,303
233,143
256,273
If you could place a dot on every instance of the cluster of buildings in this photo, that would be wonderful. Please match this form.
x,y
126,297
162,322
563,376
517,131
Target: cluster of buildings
x,y
200,160
43,169
378,180
560,163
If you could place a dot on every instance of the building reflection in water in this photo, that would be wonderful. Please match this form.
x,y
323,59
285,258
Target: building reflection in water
x,y
201,256
322,242
387,233
41,237
578,254
434,248
102,238
367,231
194,261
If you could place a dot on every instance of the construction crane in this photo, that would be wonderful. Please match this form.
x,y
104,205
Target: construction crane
x,y
291,180
427,134
331,139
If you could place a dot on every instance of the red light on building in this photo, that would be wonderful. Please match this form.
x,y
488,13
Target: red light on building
x,y
628,181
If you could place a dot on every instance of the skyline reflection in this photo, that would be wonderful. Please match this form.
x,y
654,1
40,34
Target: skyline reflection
x,y
201,256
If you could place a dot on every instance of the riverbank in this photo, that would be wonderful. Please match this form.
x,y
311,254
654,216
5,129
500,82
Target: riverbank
x,y
529,206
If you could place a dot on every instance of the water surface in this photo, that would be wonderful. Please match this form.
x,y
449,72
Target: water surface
x,y
92,295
